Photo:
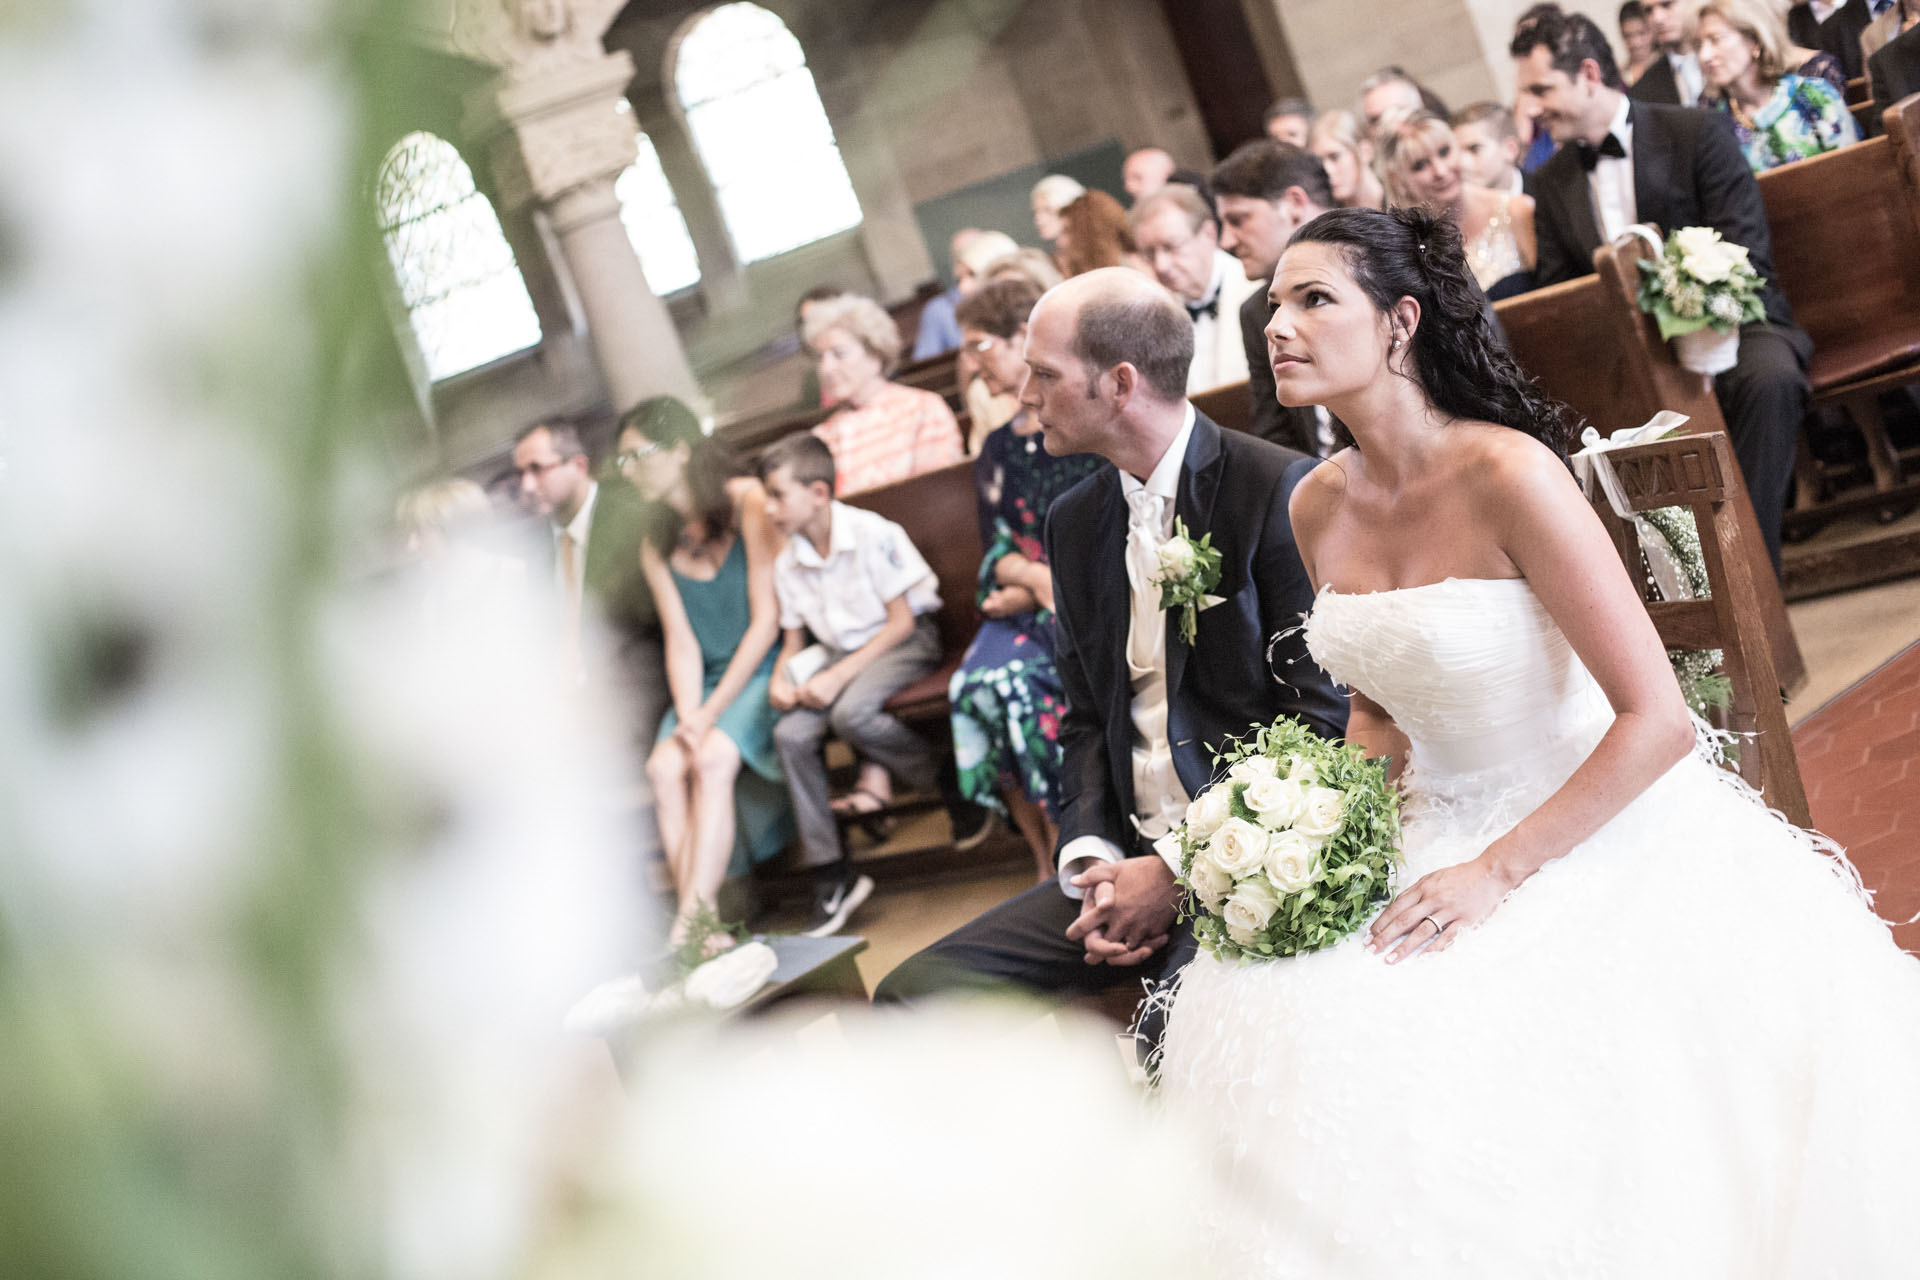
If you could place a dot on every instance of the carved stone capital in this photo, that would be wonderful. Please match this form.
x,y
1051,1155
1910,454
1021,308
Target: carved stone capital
x,y
529,39
544,138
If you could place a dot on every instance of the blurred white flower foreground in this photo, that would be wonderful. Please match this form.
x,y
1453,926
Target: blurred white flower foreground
x,y
295,890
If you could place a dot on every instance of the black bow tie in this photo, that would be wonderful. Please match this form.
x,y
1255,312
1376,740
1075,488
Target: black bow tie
x,y
1211,307
1590,154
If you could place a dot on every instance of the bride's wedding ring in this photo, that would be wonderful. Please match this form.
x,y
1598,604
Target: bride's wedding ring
x,y
1438,928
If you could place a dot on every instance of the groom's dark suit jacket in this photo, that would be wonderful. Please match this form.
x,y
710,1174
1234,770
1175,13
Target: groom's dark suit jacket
x,y
1234,487
1687,172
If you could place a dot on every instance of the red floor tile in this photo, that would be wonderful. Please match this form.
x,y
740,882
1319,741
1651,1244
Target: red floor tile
x,y
1860,759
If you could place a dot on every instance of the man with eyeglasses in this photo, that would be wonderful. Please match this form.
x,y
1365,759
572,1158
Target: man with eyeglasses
x,y
596,541
1179,236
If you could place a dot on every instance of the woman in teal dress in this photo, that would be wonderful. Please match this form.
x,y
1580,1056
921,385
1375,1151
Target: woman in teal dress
x,y
1778,117
718,790
1006,696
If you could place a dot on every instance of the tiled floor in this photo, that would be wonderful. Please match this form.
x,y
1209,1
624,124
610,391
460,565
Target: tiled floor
x,y
1860,760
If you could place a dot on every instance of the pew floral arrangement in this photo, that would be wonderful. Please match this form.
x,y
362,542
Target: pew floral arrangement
x,y
1189,569
1292,849
1697,281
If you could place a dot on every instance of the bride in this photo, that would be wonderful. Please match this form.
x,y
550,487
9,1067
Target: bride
x,y
1619,1021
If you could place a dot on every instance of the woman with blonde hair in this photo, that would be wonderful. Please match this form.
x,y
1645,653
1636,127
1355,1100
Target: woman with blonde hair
x,y
1778,116
1422,165
879,431
1340,142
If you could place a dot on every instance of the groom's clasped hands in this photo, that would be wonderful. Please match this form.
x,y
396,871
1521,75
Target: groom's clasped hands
x,y
1127,912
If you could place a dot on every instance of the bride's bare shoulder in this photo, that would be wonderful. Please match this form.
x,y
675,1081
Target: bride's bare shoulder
x,y
1498,462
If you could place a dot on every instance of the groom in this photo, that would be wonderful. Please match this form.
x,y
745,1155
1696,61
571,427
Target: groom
x,y
1107,356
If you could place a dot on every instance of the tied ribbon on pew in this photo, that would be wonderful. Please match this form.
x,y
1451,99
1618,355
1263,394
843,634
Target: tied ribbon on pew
x,y
1670,542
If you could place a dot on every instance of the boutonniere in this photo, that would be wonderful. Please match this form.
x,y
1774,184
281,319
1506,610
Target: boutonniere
x,y
1188,571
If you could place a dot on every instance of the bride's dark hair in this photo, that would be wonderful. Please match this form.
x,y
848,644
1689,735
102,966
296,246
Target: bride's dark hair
x,y
1457,359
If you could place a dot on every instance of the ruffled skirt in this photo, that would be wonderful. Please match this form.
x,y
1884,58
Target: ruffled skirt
x,y
1687,1049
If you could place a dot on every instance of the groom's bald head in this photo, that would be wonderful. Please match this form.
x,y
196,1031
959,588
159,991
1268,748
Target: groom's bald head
x,y
1119,316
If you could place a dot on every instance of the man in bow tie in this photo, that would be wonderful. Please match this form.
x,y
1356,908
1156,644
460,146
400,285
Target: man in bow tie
x,y
1178,234
1107,356
1623,162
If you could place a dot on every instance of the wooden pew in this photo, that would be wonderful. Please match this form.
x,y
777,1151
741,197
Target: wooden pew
x,y
1846,250
1699,471
1590,346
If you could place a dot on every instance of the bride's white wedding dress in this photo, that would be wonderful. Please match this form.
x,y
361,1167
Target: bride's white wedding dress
x,y
1685,1049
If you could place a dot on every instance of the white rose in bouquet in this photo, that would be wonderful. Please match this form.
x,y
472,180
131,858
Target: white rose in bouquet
x,y
1703,255
1237,847
1302,770
1248,910
1324,811
1292,861
1278,802
1254,767
1176,557
1209,881
1213,807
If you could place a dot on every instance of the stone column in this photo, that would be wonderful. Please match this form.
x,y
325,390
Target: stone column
x,y
556,132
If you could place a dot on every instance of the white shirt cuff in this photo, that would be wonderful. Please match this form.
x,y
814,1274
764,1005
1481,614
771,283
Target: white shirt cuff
x,y
1168,847
1078,853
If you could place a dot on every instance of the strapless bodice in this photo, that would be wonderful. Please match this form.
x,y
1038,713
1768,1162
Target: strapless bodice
x,y
1473,670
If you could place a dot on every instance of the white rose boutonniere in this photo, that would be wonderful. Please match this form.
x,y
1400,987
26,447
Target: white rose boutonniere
x,y
1277,802
1237,847
1324,810
1189,570
1292,861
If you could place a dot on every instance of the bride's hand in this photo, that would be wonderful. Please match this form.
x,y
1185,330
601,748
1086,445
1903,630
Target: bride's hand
x,y
1438,908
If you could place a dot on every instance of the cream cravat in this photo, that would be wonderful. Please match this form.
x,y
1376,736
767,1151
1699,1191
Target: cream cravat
x,y
570,592
1146,525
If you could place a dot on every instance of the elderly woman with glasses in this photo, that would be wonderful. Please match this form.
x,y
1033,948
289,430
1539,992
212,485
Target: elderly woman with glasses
x,y
708,557
1006,696
879,431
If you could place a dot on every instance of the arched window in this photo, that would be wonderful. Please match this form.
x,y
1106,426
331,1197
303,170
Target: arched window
x,y
761,132
654,225
456,273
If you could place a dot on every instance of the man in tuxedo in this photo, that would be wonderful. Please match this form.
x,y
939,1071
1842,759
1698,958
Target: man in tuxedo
x,y
1674,78
1266,190
1623,162
1176,231
1841,30
1107,355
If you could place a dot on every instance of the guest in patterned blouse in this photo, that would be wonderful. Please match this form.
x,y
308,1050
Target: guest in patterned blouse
x,y
1006,695
1778,117
880,431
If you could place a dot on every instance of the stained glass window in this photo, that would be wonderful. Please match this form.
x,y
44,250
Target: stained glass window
x,y
654,225
757,122
456,273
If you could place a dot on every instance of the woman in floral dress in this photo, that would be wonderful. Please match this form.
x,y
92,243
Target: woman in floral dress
x,y
1778,117
1006,696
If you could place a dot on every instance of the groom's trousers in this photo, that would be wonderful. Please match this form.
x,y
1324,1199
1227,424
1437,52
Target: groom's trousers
x,y
1022,945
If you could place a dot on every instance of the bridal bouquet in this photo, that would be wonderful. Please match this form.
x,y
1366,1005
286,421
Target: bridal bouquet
x,y
1700,281
1292,850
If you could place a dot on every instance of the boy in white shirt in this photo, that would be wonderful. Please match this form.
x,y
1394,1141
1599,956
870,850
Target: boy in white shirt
x,y
855,581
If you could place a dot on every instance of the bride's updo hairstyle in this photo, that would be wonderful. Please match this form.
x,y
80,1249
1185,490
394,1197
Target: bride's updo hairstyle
x,y
1463,367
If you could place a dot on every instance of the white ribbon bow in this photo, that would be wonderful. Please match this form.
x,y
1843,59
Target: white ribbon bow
x,y
1591,466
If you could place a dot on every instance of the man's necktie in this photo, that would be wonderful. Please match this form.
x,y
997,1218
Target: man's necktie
x,y
1590,154
1146,638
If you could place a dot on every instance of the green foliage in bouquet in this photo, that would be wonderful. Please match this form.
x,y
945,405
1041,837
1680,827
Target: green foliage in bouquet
x,y
1700,280
1697,670
1292,850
